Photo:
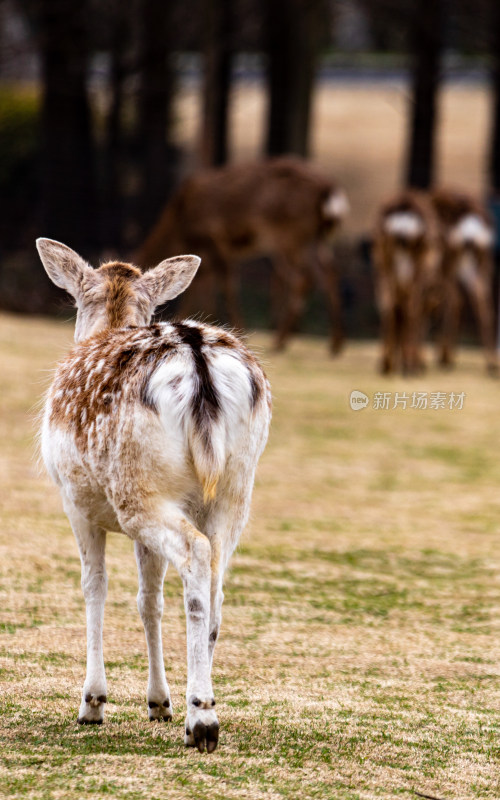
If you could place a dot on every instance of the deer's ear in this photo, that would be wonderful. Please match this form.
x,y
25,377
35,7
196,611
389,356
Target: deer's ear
x,y
63,266
169,278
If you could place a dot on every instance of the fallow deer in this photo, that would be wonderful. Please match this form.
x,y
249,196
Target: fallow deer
x,y
280,208
153,431
404,254
466,266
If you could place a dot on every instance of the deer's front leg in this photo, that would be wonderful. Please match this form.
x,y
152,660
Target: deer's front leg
x,y
152,568
91,543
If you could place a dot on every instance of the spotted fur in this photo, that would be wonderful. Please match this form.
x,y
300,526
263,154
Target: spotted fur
x,y
115,368
154,431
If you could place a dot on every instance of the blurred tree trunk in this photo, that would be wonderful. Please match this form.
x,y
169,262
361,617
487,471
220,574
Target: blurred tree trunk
x,y
426,36
154,106
494,166
68,206
293,35
217,66
114,145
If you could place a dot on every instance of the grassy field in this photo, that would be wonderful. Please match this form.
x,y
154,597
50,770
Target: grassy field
x,y
360,649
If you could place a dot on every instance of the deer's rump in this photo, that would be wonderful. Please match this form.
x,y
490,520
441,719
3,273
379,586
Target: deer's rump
x,y
169,403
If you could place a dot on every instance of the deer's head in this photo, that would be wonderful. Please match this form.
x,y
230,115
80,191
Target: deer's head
x,y
116,294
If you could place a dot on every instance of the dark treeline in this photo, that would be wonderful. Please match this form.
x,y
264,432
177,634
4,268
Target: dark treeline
x,y
104,164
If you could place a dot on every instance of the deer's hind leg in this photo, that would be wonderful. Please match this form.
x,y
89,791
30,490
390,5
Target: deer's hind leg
x,y
388,331
166,532
328,280
152,568
224,524
295,281
480,294
450,321
91,542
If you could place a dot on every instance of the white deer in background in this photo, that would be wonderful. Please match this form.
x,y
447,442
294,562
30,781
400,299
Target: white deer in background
x,y
154,431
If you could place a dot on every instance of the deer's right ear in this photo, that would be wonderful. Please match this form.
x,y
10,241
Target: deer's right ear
x,y
63,266
169,278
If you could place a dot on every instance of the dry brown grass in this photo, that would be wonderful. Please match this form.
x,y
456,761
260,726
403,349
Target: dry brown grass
x,y
360,647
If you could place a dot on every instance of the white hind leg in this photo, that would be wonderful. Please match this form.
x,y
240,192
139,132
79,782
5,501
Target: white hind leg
x,y
224,525
216,596
168,533
152,568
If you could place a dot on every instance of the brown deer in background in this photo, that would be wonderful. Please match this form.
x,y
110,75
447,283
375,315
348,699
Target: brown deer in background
x,y
404,254
466,267
280,208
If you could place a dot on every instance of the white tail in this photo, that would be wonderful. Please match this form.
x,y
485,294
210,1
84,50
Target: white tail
x,y
404,224
471,229
153,431
428,249
336,206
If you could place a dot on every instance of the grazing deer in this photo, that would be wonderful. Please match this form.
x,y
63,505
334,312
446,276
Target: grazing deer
x,y
154,431
467,237
403,253
280,208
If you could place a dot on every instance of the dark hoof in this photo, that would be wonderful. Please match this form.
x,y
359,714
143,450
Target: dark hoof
x,y
89,721
203,736
446,363
336,347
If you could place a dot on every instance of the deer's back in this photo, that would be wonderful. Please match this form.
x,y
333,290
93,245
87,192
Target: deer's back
x,y
125,405
451,206
252,200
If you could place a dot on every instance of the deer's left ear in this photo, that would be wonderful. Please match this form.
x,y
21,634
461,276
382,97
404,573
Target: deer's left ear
x,y
64,267
169,278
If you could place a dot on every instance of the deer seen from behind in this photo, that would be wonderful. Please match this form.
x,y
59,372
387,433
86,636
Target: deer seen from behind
x,y
466,268
281,208
404,254
153,431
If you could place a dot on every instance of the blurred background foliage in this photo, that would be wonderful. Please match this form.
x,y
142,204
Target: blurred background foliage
x,y
90,148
